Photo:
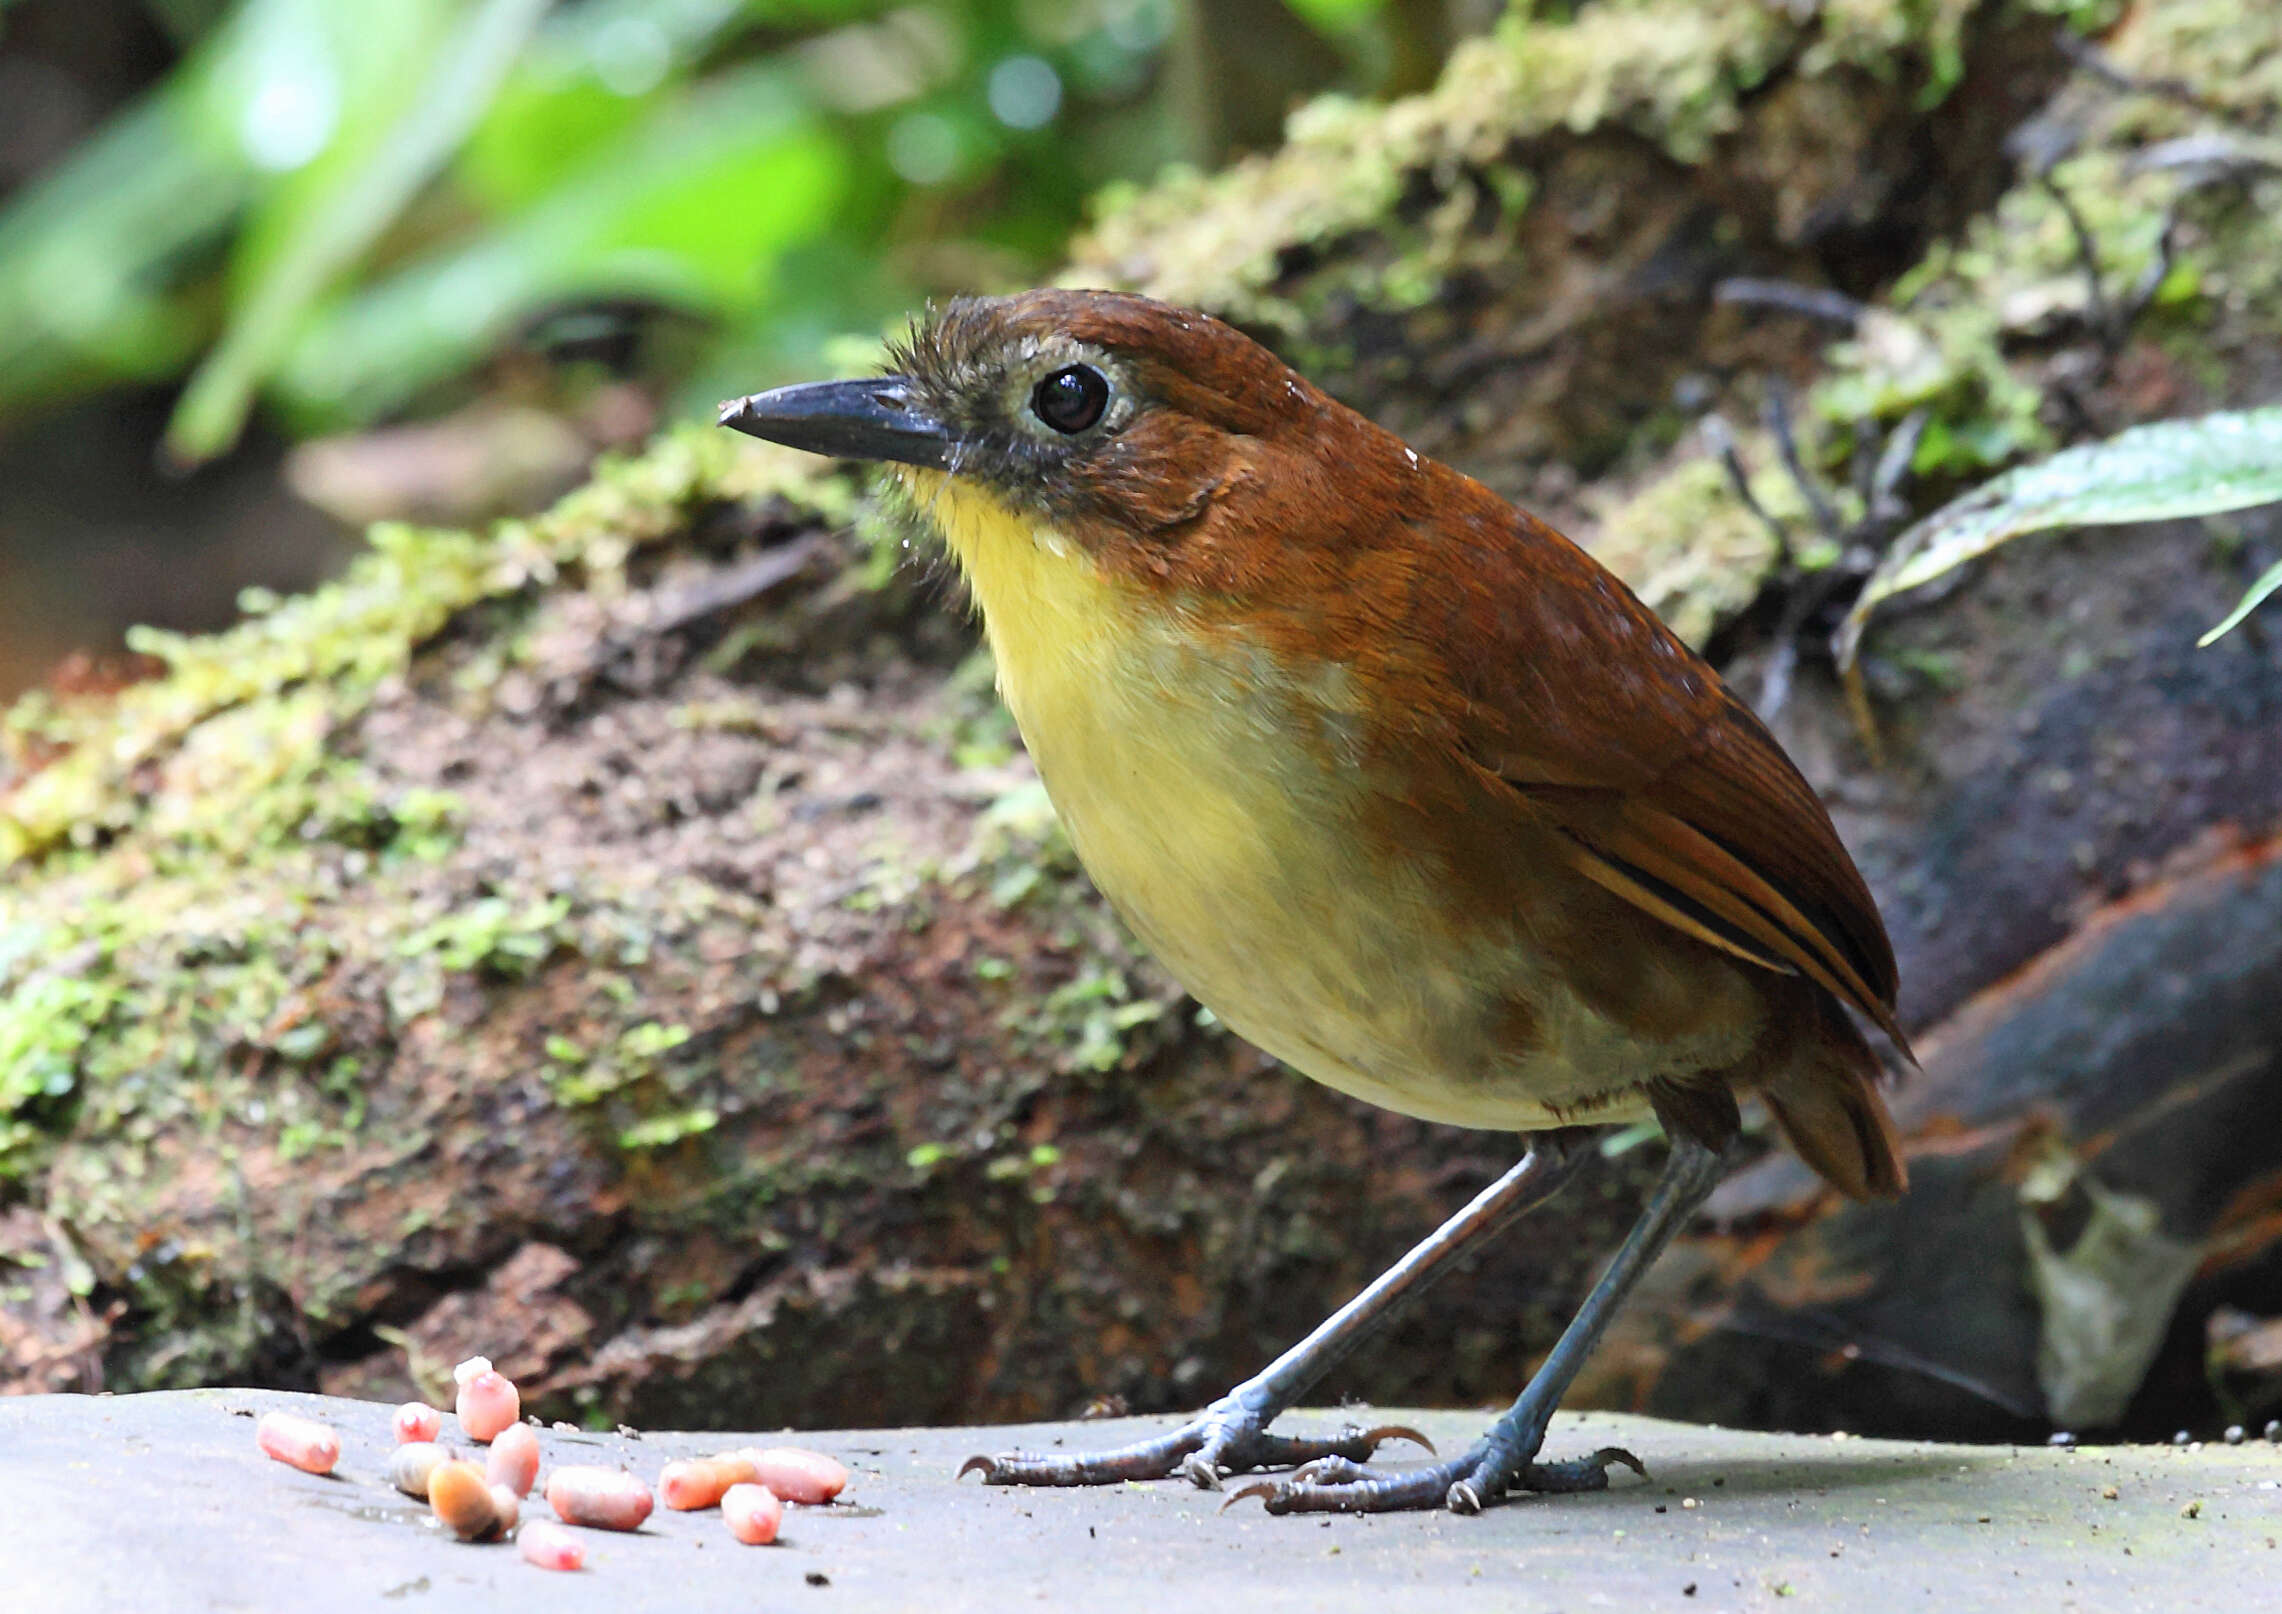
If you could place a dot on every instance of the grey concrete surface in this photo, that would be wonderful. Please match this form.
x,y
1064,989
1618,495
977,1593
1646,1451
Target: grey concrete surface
x,y
158,1503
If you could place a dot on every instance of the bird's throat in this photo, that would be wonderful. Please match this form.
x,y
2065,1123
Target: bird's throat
x,y
1060,627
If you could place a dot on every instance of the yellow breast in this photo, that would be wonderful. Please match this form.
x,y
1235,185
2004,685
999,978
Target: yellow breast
x,y
1135,727
1204,787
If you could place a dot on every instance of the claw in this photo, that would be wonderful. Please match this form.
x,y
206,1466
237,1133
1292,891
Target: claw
x,y
1398,1431
1201,1471
1581,1474
986,1466
1329,1471
1466,1485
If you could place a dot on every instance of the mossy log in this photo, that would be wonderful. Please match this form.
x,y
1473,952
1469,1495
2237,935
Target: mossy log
x,y
629,943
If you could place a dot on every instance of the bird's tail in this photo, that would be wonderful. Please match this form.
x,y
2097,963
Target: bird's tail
x,y
1826,1101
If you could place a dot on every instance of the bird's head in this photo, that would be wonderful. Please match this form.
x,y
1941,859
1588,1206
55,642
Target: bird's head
x,y
1155,442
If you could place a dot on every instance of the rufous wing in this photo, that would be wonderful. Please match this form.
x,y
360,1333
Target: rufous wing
x,y
1669,791
1665,789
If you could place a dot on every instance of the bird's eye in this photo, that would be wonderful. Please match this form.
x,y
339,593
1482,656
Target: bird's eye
x,y
1071,399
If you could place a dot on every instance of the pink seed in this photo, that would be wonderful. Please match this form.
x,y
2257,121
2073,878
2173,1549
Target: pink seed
x,y
411,1463
506,1503
754,1514
606,1498
514,1459
797,1476
416,1420
699,1482
550,1546
305,1443
458,1495
487,1400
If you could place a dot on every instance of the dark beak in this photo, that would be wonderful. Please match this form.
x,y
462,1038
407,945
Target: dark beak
x,y
852,420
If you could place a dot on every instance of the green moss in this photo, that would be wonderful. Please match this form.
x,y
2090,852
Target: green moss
x,y
662,1131
1085,1023
492,935
633,1059
1686,544
165,847
1944,347
1961,337
1672,72
1964,334
264,694
2229,52
1018,850
43,1026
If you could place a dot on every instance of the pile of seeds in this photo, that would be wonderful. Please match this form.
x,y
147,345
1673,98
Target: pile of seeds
x,y
485,1502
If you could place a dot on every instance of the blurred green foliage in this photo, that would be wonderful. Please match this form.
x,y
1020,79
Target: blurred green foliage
x,y
346,209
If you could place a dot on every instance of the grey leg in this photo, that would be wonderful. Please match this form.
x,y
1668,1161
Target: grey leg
x,y
1230,1436
1504,1458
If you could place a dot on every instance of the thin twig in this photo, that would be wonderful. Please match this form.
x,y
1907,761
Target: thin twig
x,y
1810,593
1721,436
1815,302
1883,502
2216,152
2096,311
2158,270
1860,546
733,587
2089,59
1778,414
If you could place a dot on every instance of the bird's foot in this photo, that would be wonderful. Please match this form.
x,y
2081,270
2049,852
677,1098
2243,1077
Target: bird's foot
x,y
1223,1439
1466,1484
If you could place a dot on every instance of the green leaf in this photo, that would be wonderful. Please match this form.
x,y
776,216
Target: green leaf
x,y
1337,16
538,130
2160,472
692,208
85,296
93,254
2268,582
416,107
594,68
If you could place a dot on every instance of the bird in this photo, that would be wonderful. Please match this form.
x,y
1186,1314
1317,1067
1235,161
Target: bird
x,y
1400,783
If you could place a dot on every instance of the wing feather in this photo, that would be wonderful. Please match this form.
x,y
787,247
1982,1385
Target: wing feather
x,y
1717,896
1669,789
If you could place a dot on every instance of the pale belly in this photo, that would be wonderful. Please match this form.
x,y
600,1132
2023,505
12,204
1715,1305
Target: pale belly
x,y
1234,850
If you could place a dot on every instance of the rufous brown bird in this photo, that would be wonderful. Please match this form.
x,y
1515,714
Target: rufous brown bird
x,y
1404,786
